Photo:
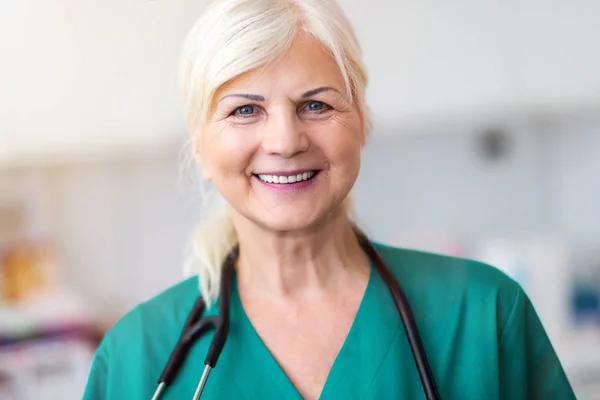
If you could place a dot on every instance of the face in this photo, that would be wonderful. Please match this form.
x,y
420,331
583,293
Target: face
x,y
283,142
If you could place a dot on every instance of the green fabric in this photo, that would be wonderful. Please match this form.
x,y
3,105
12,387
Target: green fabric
x,y
481,333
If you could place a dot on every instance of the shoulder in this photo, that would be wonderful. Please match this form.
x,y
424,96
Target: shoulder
x,y
150,326
453,281
470,313
167,309
431,266
133,352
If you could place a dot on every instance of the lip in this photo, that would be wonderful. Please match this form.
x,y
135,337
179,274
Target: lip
x,y
286,173
288,187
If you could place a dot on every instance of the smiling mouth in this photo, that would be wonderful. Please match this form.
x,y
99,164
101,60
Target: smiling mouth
x,y
287,179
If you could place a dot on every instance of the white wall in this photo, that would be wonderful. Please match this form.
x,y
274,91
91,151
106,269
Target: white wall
x,y
577,185
90,74
443,182
100,76
549,182
122,229
476,59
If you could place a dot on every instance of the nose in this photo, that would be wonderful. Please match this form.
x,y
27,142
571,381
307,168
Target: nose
x,y
285,134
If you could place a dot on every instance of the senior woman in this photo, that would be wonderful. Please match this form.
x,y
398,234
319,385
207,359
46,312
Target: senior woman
x,y
274,92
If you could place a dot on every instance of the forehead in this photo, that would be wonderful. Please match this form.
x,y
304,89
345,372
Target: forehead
x,y
304,65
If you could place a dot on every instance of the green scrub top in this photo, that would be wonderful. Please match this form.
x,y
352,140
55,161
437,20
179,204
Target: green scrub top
x,y
480,331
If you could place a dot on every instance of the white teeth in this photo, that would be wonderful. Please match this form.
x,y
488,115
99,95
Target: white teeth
x,y
283,179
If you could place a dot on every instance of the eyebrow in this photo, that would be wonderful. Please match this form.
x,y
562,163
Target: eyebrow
x,y
253,97
258,97
318,90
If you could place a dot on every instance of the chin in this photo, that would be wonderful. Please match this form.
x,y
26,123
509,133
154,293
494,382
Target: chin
x,y
285,222
290,219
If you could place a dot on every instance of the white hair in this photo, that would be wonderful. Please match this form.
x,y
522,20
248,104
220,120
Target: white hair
x,y
232,37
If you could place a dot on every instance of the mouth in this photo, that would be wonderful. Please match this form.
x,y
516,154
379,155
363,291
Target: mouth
x,y
288,178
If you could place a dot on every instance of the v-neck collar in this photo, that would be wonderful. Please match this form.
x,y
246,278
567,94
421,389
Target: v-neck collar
x,y
255,359
256,371
366,346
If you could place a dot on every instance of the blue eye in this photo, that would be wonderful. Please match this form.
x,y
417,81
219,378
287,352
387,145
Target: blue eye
x,y
315,106
245,110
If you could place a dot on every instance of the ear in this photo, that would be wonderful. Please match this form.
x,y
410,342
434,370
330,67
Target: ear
x,y
204,168
198,156
205,172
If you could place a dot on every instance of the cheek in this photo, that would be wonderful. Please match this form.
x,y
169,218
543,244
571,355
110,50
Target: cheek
x,y
228,153
343,143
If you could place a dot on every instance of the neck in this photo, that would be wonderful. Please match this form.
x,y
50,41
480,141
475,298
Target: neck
x,y
291,264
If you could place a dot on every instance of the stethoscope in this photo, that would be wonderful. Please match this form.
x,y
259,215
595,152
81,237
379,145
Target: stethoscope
x,y
195,326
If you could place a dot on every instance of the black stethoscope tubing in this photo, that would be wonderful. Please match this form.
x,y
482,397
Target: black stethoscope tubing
x,y
195,326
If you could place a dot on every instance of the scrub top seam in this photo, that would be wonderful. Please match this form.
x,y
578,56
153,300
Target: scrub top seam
x,y
511,316
387,353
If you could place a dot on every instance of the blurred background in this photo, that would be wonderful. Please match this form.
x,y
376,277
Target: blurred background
x,y
486,145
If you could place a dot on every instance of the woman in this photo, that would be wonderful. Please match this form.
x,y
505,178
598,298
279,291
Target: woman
x,y
275,95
